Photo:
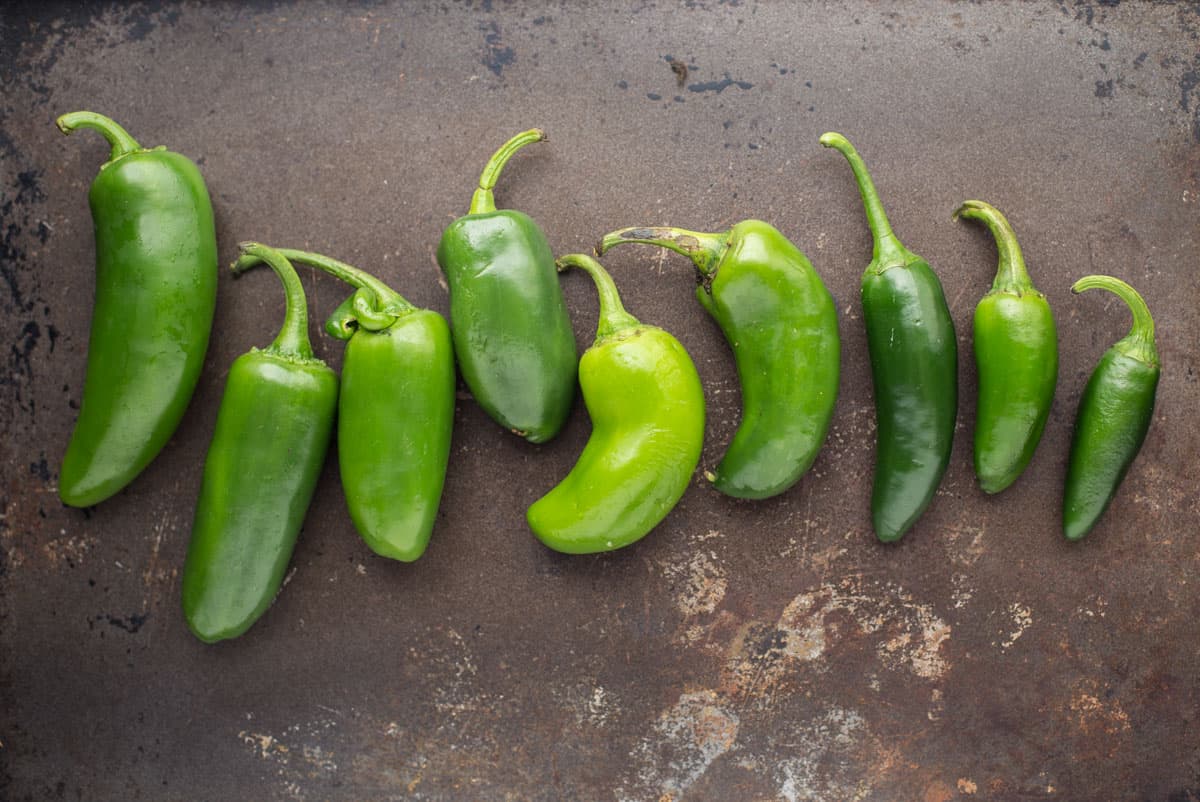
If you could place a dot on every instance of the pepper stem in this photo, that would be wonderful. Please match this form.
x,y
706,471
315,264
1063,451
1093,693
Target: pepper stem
x,y
705,250
292,340
1011,275
613,317
1139,343
483,200
122,143
887,249
389,300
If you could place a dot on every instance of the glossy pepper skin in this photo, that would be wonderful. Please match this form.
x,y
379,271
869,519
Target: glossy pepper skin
x,y
512,335
914,366
781,323
1114,414
1016,353
156,289
647,409
395,408
272,433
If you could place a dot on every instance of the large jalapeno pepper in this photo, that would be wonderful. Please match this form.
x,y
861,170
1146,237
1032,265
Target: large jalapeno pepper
x,y
643,395
395,408
781,323
1114,414
512,335
914,366
1016,353
271,436
156,288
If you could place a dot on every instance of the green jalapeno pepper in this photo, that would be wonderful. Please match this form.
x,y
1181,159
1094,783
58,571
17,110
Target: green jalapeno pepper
x,y
1114,414
781,323
1016,353
395,408
647,409
271,436
914,366
512,335
156,289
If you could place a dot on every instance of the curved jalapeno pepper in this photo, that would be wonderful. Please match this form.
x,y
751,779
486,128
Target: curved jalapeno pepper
x,y
1016,353
395,408
781,323
512,335
156,289
271,436
1114,414
643,395
914,365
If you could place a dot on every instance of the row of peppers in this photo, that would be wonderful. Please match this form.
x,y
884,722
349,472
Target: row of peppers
x,y
512,339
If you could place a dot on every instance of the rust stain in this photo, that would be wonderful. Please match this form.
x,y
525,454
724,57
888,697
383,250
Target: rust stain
x,y
909,635
686,739
1094,717
68,549
938,791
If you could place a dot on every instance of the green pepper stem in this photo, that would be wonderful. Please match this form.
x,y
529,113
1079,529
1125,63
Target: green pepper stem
x,y
483,200
887,247
1011,275
292,340
705,250
613,317
1139,343
389,299
122,143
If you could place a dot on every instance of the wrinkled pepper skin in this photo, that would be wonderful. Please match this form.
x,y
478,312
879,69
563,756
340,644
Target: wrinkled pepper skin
x,y
1016,353
643,394
1114,414
511,331
273,430
914,367
156,289
781,323
395,409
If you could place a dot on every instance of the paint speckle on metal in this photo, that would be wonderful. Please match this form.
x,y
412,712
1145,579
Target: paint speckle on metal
x,y
744,650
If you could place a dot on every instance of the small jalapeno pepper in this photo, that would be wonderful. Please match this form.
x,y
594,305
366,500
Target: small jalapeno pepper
x,y
914,366
1016,353
270,440
395,408
512,334
156,289
1114,414
647,409
781,323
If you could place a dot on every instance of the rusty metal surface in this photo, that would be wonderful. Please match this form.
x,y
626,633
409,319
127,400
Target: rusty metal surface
x,y
742,651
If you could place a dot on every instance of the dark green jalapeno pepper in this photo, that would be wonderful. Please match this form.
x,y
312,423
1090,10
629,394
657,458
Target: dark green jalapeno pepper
x,y
1114,414
271,436
781,323
1016,353
156,288
512,335
395,408
643,395
914,366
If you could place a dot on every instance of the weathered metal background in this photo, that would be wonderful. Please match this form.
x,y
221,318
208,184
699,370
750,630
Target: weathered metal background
x,y
742,651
